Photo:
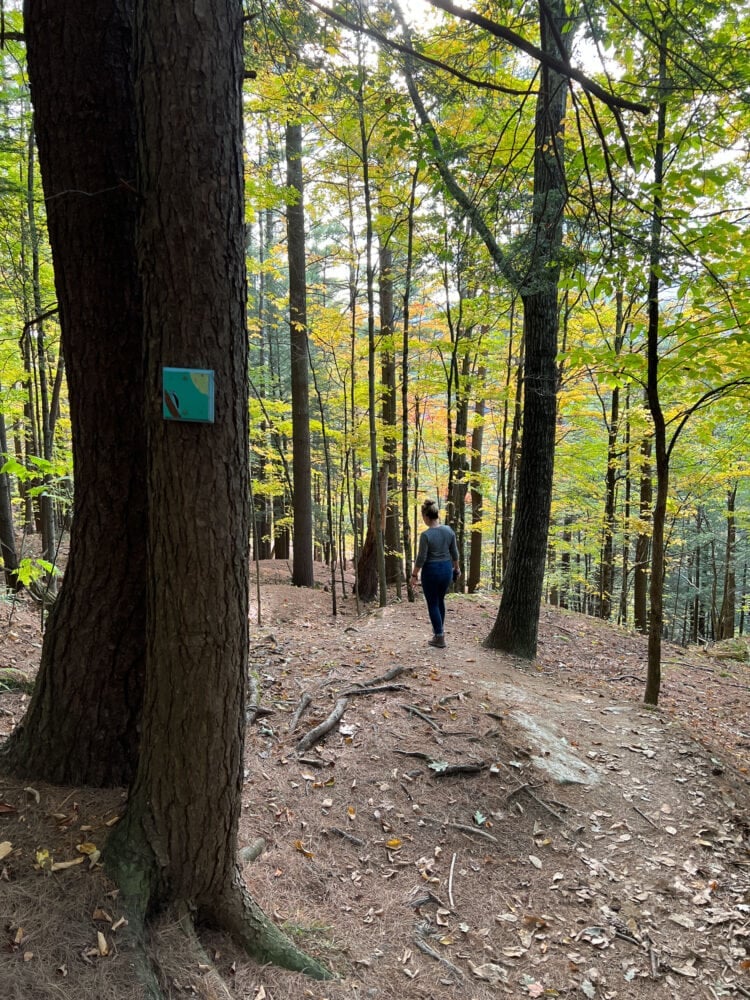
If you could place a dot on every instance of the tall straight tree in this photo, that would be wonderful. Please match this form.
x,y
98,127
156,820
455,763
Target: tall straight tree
x,y
81,724
302,567
175,848
516,625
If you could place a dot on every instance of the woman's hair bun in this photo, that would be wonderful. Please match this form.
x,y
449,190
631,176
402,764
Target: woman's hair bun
x,y
430,509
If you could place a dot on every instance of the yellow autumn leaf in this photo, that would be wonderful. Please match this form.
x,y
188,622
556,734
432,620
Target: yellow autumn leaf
x,y
101,944
393,844
87,848
351,812
5,849
302,849
44,859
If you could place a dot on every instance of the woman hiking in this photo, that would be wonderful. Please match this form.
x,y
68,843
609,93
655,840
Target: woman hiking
x,y
437,558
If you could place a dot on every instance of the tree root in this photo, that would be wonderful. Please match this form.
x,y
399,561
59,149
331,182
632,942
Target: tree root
x,y
239,915
232,911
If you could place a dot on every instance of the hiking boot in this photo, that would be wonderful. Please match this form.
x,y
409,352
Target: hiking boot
x,y
438,641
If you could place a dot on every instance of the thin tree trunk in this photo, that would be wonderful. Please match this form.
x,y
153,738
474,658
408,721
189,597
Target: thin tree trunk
x,y
661,454
477,437
726,615
302,571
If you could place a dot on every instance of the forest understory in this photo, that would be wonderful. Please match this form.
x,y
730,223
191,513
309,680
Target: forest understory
x,y
472,826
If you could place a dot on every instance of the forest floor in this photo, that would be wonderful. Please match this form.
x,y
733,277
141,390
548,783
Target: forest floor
x,y
474,826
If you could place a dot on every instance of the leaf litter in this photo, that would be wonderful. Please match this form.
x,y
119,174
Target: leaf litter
x,y
414,883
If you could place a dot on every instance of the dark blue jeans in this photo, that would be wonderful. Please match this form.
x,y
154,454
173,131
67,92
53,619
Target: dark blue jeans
x,y
436,578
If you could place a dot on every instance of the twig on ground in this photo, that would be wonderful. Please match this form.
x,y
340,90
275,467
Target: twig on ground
x,y
644,816
413,753
539,802
423,946
624,677
317,734
313,761
450,882
375,690
471,768
412,710
304,704
460,826
346,836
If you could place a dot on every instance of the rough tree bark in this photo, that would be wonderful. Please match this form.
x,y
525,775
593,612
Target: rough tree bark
x,y
81,725
516,625
175,848
302,566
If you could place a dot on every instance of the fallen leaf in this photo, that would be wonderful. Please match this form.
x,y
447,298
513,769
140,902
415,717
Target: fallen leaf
x,y
535,861
101,944
489,972
302,849
6,807
683,920
685,970
5,849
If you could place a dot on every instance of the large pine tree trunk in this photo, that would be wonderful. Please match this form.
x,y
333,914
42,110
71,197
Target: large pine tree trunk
x,y
81,725
175,848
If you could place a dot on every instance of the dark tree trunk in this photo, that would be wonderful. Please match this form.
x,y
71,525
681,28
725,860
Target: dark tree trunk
x,y
725,627
81,725
175,847
7,526
643,542
475,550
368,578
661,451
516,626
302,566
392,530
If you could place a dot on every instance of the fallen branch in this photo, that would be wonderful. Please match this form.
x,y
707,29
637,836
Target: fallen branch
x,y
423,946
304,704
412,710
459,769
374,690
346,836
644,816
450,882
460,826
317,734
539,802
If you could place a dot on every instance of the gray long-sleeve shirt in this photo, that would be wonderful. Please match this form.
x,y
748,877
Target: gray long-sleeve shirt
x,y
436,544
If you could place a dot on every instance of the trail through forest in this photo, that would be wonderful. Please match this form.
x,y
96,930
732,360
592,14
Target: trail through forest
x,y
470,826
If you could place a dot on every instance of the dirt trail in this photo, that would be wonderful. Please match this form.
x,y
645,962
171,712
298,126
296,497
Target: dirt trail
x,y
481,827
